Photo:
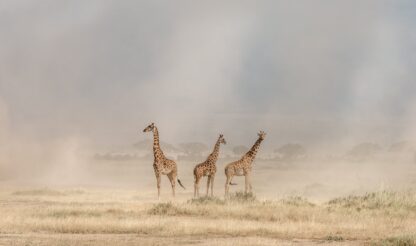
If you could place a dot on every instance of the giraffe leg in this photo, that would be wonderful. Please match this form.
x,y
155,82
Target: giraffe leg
x,y
208,181
212,184
158,186
246,183
196,187
172,179
227,186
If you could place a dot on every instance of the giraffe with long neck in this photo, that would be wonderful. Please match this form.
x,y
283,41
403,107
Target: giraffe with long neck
x,y
161,164
243,167
208,168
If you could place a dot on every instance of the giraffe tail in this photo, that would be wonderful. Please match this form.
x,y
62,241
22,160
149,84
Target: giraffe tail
x,y
180,183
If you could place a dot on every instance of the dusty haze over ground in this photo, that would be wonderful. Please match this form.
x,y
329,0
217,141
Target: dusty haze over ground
x,y
77,77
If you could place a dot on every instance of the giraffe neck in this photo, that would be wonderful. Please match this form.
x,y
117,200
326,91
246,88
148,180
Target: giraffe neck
x,y
251,154
214,155
157,151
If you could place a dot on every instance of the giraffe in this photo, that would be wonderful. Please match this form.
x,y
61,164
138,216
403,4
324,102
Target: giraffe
x,y
243,166
208,168
161,164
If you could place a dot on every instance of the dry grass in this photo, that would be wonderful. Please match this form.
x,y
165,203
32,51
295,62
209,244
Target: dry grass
x,y
38,192
380,200
405,240
380,218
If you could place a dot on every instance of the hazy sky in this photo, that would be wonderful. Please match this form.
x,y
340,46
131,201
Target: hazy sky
x,y
303,71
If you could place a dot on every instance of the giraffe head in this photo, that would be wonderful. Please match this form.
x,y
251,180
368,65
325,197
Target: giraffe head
x,y
222,139
149,128
262,135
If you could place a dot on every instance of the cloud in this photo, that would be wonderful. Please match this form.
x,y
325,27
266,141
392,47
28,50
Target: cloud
x,y
313,72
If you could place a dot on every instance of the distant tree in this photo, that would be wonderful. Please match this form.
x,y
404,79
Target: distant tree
x,y
291,151
147,145
364,150
144,145
240,149
193,148
402,146
115,156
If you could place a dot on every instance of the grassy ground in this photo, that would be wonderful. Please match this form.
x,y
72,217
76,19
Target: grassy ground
x,y
119,217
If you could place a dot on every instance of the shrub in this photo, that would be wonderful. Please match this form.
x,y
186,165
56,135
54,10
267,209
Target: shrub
x,y
297,201
377,200
242,197
334,238
398,241
38,192
167,209
206,200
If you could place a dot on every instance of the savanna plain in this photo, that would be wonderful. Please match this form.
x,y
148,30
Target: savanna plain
x,y
300,205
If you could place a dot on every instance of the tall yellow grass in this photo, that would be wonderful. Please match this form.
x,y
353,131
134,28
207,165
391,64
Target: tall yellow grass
x,y
380,217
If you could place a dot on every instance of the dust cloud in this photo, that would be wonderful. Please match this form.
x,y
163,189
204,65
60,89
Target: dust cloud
x,y
79,82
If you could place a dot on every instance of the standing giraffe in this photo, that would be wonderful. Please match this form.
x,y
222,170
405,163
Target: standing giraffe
x,y
243,166
161,164
208,168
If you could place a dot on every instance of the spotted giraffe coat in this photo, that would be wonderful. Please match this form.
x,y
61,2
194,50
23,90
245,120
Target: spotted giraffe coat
x,y
244,165
208,167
